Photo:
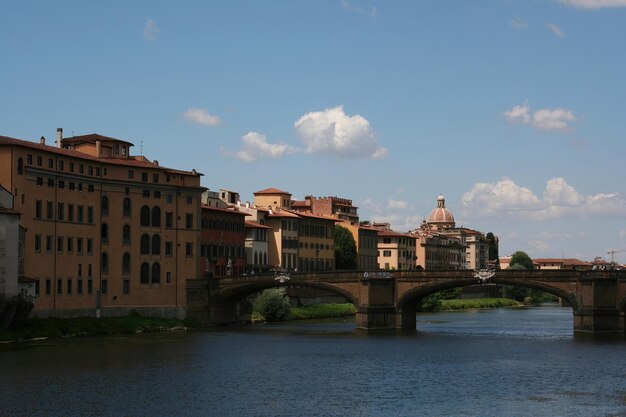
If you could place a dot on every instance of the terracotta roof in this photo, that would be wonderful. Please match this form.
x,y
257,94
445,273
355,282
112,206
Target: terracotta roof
x,y
391,233
564,261
314,216
91,138
224,210
282,213
256,225
303,204
271,191
8,141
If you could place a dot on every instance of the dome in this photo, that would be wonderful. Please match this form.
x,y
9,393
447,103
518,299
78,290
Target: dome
x,y
441,216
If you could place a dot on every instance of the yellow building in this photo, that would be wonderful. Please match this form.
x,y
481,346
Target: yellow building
x,y
107,232
396,250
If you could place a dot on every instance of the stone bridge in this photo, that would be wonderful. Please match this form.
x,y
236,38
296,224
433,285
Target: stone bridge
x,y
388,299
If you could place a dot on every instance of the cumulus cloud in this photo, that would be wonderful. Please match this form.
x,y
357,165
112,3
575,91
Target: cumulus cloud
x,y
202,117
150,30
333,132
555,29
505,200
622,233
594,4
255,146
518,23
558,119
397,204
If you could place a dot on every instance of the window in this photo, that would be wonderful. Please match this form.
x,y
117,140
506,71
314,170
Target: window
x,y
61,184
126,263
70,244
39,181
79,286
70,212
386,253
116,149
104,262
79,245
126,234
90,188
156,245
126,286
145,216
29,159
61,165
155,177
144,176
79,213
90,214
145,244
123,150
89,246
145,273
50,163
69,286
189,249
37,287
80,270
156,216
168,248
156,273
386,240
61,211
81,169
37,243
169,219
20,166
59,286
146,193
105,204
104,232
189,220
90,170
97,171
131,174
169,199
39,161
38,209
189,199
48,286
49,210
168,277
72,185
157,194
104,286
126,207
71,166
90,286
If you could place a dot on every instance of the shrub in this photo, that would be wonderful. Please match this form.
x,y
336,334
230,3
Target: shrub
x,y
273,304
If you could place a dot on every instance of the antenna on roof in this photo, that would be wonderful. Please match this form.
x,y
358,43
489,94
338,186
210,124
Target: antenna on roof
x,y
141,148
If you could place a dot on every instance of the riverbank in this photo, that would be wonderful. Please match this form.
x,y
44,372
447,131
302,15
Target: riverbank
x,y
317,311
54,328
478,303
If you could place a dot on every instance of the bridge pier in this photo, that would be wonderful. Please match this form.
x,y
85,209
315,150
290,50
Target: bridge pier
x,y
377,309
598,309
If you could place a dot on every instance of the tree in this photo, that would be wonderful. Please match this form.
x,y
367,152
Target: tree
x,y
273,304
492,243
433,301
522,259
345,249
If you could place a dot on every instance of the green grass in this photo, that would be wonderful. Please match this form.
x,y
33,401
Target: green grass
x,y
478,303
87,326
321,311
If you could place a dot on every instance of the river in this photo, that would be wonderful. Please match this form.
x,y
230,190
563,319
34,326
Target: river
x,y
503,362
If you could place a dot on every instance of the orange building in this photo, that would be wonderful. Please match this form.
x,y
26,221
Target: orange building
x,y
106,232
222,247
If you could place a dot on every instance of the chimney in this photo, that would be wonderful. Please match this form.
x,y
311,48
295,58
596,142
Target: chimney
x,y
59,136
98,148
42,140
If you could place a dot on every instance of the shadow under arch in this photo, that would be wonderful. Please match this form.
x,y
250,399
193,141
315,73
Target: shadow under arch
x,y
223,304
406,305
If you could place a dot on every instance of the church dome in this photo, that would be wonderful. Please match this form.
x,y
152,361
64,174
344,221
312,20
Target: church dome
x,y
441,216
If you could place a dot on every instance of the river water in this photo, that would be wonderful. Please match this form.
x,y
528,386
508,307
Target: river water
x,y
504,362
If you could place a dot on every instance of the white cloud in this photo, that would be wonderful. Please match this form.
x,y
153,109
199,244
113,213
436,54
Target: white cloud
x,y
555,119
356,9
555,29
558,119
518,23
594,4
151,30
334,132
255,146
505,200
397,204
202,117
622,233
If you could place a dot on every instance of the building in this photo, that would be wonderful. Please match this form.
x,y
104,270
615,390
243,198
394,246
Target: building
x,y
438,251
11,245
222,242
396,250
366,239
257,248
562,263
107,232
339,208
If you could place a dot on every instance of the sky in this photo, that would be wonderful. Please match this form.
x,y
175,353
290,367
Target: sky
x,y
514,110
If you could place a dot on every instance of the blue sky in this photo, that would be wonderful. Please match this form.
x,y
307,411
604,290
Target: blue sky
x,y
514,110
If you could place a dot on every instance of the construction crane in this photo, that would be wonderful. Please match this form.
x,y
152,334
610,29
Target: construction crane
x,y
613,252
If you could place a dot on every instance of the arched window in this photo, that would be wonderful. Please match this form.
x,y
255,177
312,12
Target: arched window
x,y
145,244
104,232
20,166
126,207
156,216
105,204
104,262
156,244
145,216
126,234
145,273
156,273
126,263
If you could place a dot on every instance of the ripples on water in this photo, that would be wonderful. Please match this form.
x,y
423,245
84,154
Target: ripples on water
x,y
485,363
